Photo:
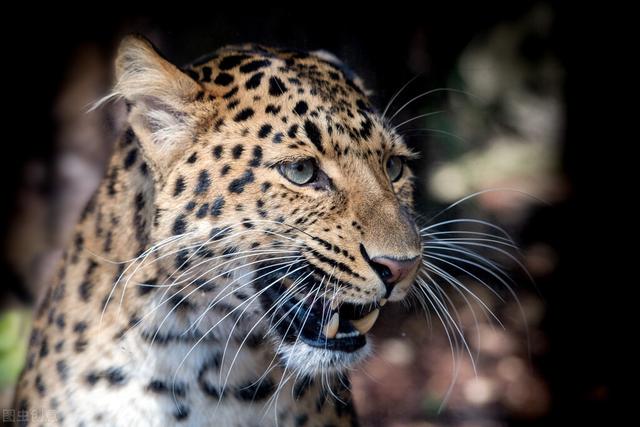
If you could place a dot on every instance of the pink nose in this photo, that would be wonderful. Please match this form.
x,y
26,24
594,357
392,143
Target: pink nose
x,y
392,271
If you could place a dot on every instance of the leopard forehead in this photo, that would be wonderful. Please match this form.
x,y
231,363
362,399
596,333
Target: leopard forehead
x,y
293,98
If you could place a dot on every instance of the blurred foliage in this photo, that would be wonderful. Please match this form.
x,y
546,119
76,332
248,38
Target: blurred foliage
x,y
14,325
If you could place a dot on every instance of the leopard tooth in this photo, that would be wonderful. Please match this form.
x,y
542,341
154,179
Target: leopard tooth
x,y
382,302
365,324
331,329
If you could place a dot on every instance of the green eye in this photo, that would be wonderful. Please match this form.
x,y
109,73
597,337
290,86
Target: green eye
x,y
300,172
395,165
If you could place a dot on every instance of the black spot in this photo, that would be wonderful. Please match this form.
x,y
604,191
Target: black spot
x,y
243,115
237,151
80,327
254,81
148,286
276,86
362,105
237,185
192,158
128,137
182,260
257,157
202,211
272,109
265,186
115,376
301,386
217,151
63,369
225,170
223,79
254,392
180,186
87,286
293,130
218,124
264,131
252,66
92,377
112,181
218,233
314,134
80,345
44,347
190,206
231,61
132,155
42,390
85,290
206,74
60,321
203,182
230,93
277,138
217,205
300,108
209,389
157,386
179,226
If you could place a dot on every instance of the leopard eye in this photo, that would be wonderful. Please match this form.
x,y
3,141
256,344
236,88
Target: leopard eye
x,y
300,172
395,166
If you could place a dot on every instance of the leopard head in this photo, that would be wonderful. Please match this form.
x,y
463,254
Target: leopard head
x,y
284,187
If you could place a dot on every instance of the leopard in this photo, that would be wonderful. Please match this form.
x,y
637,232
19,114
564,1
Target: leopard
x,y
255,216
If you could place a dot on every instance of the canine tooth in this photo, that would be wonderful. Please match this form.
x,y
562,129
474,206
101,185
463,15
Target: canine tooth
x,y
382,302
331,329
366,323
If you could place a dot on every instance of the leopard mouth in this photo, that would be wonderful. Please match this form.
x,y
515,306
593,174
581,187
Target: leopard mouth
x,y
320,323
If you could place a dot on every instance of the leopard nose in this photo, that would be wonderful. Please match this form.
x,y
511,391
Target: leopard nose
x,y
392,270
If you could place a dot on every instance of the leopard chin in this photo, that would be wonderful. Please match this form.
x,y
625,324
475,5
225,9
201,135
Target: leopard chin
x,y
305,359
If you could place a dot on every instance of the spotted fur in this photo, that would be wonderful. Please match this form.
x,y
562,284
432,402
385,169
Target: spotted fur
x,y
157,294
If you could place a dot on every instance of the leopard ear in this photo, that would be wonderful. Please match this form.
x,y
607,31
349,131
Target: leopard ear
x,y
329,57
161,96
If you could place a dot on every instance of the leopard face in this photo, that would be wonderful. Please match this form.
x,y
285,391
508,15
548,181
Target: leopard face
x,y
287,192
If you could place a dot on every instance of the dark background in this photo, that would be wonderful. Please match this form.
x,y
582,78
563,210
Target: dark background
x,y
376,40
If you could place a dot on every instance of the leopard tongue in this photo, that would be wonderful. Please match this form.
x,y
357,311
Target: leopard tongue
x,y
365,324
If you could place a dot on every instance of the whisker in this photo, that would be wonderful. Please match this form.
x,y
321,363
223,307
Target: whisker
x,y
420,116
210,306
488,190
427,93
393,98
161,303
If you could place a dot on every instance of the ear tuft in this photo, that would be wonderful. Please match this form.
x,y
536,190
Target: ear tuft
x,y
162,98
142,72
